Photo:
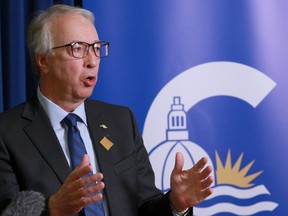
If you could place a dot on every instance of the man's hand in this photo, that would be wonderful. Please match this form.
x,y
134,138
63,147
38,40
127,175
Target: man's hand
x,y
76,192
189,187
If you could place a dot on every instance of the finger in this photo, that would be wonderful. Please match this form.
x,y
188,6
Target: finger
x,y
179,162
93,189
204,184
88,186
201,196
82,169
92,192
87,181
85,161
209,181
92,179
206,172
201,164
78,173
91,199
207,193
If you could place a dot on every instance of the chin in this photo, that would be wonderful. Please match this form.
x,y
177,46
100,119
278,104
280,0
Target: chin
x,y
87,93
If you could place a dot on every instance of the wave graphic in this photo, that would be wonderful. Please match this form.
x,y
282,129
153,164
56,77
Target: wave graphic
x,y
235,209
238,194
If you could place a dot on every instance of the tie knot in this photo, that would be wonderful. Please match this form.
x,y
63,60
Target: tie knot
x,y
71,120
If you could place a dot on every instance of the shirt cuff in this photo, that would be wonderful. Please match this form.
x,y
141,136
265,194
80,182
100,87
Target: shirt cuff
x,y
183,213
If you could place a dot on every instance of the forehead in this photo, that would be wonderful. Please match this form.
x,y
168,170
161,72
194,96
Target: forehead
x,y
69,28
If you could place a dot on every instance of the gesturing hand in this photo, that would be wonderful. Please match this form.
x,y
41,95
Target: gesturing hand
x,y
189,187
76,192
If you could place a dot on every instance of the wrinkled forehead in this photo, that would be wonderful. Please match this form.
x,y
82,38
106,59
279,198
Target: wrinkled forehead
x,y
68,28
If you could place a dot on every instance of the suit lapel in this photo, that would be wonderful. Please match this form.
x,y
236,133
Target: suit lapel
x,y
96,118
45,140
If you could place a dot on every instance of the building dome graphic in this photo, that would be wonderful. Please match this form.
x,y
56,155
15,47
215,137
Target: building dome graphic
x,y
177,140
165,133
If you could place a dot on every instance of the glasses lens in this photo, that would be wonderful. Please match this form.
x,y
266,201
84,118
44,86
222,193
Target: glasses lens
x,y
101,49
79,49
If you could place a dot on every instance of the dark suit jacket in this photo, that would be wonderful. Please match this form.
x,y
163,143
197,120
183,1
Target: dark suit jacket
x,y
31,158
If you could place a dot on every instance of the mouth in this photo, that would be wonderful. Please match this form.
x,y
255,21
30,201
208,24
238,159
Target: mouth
x,y
90,78
90,81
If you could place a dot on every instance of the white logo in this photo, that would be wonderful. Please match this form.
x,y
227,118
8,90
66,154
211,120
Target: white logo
x,y
165,132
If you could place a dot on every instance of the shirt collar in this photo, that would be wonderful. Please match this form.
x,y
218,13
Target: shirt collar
x,y
55,113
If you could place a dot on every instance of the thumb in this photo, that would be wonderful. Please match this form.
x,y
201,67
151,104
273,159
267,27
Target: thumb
x,y
179,162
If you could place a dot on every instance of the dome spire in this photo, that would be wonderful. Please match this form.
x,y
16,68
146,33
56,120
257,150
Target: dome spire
x,y
177,121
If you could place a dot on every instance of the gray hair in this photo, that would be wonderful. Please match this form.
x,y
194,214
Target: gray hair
x,y
39,35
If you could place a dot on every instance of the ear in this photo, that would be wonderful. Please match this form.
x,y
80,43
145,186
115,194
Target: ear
x,y
42,62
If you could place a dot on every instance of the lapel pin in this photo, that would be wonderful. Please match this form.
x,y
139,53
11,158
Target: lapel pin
x,y
106,143
103,126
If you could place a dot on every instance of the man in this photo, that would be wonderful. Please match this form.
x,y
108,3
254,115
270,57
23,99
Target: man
x,y
35,150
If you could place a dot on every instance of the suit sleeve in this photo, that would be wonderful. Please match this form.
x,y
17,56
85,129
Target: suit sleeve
x,y
151,201
8,181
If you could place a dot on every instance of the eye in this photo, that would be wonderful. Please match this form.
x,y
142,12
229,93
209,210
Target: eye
x,y
97,47
77,48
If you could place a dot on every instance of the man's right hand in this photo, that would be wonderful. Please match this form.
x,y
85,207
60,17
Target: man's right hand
x,y
76,192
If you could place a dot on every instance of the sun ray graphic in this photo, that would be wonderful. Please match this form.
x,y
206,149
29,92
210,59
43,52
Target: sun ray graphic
x,y
234,175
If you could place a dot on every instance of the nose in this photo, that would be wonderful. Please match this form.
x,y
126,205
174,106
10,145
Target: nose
x,y
91,60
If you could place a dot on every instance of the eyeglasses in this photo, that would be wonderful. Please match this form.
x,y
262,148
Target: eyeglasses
x,y
80,49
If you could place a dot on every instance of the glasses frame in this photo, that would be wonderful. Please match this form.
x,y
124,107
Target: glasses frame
x,y
101,43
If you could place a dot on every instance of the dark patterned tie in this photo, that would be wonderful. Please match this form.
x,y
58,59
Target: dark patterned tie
x,y
77,150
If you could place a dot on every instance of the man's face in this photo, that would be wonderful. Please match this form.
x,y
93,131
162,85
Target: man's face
x,y
65,79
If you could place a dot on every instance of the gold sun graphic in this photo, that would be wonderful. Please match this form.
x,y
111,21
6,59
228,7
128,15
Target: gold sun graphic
x,y
232,174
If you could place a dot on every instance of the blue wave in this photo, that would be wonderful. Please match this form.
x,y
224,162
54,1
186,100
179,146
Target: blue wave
x,y
235,209
238,193
245,208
